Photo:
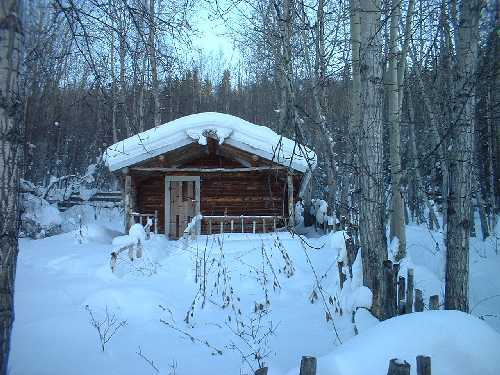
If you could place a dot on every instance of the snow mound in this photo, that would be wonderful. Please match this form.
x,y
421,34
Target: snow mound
x,y
337,243
98,234
458,344
225,128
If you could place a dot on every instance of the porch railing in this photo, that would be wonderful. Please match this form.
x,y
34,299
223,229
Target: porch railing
x,y
147,220
213,224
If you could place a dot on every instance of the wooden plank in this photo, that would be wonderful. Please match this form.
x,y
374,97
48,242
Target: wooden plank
x,y
423,365
419,301
398,367
401,295
434,302
308,365
409,292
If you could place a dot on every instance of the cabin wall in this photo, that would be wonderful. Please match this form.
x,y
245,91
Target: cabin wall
x,y
150,197
249,193
255,193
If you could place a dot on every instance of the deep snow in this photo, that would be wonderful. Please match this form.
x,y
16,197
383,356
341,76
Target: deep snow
x,y
59,276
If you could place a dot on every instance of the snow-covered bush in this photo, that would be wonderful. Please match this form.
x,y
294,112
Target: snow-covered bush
x,y
85,185
39,218
319,209
299,213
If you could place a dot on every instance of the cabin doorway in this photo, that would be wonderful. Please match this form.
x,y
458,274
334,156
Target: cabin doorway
x,y
182,203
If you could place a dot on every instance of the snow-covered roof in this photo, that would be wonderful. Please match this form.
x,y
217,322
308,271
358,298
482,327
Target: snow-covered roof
x,y
231,130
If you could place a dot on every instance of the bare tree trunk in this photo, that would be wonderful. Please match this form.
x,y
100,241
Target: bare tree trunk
x,y
371,228
10,159
152,60
356,75
123,84
418,183
353,132
495,119
142,52
477,177
439,142
317,80
288,111
459,197
397,228
113,80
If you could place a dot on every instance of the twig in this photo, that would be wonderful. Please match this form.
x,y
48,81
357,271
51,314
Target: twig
x,y
148,361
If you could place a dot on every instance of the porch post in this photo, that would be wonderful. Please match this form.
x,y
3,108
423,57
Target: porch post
x,y
291,213
127,209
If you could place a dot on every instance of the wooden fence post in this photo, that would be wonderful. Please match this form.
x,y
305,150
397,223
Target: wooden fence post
x,y
419,301
401,295
261,371
409,292
390,272
434,302
423,365
308,365
128,203
398,367
342,275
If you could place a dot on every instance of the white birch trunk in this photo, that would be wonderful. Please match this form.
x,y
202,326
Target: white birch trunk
x,y
397,223
113,80
371,226
10,157
459,196
152,61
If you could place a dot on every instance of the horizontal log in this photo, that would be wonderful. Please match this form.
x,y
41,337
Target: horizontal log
x,y
207,170
239,217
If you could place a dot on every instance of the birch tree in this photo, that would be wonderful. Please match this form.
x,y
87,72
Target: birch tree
x,y
395,82
152,60
371,225
459,196
397,223
10,157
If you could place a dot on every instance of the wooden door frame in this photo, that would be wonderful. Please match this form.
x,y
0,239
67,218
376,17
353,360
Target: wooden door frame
x,y
168,180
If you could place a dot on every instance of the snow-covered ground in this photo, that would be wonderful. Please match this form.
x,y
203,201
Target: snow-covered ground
x,y
214,304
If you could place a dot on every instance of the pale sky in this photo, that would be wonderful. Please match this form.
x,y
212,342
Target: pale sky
x,y
211,38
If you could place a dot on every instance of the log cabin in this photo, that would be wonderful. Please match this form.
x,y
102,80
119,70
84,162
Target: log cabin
x,y
210,173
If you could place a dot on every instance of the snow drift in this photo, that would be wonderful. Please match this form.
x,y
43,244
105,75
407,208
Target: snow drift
x,y
458,344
